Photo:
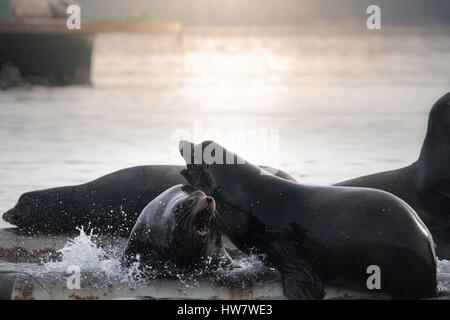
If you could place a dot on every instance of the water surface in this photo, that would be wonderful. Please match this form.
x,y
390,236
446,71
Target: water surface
x,y
346,103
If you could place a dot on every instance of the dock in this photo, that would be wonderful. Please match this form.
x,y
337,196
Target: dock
x,y
15,284
58,26
46,52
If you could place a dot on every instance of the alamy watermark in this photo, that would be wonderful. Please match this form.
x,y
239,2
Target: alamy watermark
x,y
260,145
374,20
374,280
74,280
73,21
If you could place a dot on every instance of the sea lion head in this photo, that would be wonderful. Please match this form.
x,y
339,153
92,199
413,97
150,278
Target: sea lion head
x,y
213,169
178,226
193,216
439,120
203,158
208,159
24,216
48,212
25,204
435,153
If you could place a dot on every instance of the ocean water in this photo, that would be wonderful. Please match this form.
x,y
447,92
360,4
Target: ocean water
x,y
104,262
336,103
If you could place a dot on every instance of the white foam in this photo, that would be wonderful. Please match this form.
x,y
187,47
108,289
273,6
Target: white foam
x,y
443,266
84,253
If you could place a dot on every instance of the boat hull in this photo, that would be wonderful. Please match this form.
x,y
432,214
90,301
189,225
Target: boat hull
x,y
47,59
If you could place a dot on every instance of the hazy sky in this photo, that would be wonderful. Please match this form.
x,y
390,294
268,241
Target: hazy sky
x,y
278,12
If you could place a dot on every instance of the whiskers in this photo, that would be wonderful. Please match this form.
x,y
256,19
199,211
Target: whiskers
x,y
215,224
218,218
187,216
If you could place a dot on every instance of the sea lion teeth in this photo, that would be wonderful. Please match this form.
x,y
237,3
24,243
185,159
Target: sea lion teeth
x,y
164,231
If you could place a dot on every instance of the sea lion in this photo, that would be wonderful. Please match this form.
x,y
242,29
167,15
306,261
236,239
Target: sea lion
x,y
110,204
334,232
425,184
177,228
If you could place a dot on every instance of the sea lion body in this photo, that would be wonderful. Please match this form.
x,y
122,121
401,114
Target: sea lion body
x,y
334,232
425,184
110,204
177,228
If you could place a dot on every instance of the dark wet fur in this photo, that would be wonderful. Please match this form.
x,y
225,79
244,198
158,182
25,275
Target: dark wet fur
x,y
164,240
292,222
425,184
110,205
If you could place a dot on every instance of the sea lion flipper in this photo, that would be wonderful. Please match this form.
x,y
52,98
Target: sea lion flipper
x,y
300,282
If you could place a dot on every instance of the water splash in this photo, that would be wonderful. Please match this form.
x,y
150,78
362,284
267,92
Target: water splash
x,y
89,257
105,263
245,271
443,266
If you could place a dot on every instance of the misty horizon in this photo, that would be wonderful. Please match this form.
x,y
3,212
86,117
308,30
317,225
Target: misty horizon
x,y
273,12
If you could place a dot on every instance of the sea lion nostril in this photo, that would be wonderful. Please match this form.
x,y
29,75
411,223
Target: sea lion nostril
x,y
209,199
8,216
173,225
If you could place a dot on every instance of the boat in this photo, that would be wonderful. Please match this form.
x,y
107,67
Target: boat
x,y
45,51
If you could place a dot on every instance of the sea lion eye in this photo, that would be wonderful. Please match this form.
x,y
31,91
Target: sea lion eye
x,y
190,202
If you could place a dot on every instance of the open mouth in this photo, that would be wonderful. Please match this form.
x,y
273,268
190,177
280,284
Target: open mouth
x,y
201,221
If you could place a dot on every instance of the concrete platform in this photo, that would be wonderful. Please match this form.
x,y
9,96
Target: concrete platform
x,y
17,248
